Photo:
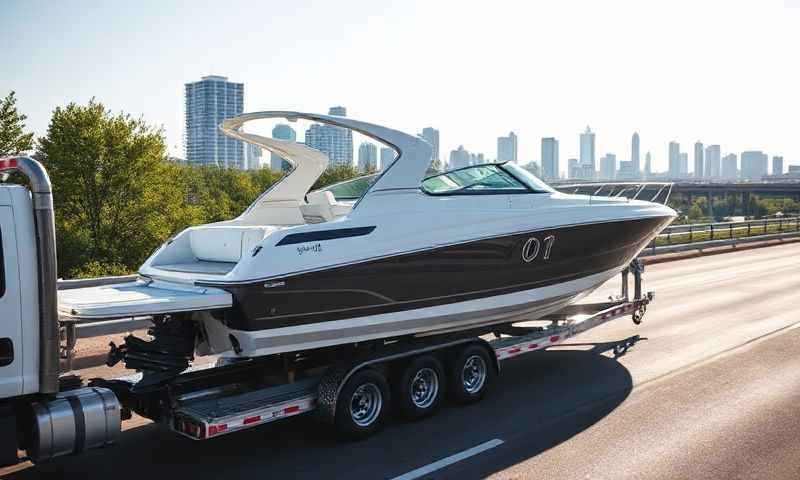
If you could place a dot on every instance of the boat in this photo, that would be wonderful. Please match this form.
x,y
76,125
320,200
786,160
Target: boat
x,y
400,253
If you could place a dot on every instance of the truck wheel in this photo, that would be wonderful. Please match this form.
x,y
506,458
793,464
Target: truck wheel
x,y
420,387
470,372
362,404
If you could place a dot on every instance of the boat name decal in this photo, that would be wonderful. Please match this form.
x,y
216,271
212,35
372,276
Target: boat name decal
x,y
316,248
533,246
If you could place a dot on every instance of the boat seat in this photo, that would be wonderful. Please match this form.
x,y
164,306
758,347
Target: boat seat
x,y
226,243
322,207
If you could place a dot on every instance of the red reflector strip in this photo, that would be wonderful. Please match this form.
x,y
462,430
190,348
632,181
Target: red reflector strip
x,y
515,350
533,346
216,429
249,420
554,338
293,409
8,163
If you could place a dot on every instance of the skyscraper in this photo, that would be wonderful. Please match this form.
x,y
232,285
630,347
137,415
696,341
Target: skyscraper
x,y
608,166
712,160
208,103
699,164
684,165
777,165
367,157
550,158
647,166
281,132
674,160
635,164
729,168
431,135
253,157
459,158
387,157
336,142
754,165
587,151
573,171
507,148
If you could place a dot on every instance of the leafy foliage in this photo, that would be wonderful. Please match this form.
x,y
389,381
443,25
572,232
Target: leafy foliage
x,y
117,199
13,139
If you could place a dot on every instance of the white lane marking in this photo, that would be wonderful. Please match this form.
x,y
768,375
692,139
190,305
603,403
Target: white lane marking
x,y
432,467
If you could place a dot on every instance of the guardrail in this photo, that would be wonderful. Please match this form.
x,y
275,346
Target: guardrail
x,y
676,238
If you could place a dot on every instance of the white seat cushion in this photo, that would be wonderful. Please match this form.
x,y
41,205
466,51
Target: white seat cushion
x,y
225,243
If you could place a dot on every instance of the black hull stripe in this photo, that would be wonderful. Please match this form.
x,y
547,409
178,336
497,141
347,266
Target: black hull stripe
x,y
440,276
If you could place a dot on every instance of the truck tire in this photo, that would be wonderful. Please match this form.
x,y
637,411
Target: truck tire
x,y
420,387
362,404
470,372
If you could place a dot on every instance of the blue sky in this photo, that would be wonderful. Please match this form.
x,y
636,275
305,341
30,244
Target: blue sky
x,y
718,72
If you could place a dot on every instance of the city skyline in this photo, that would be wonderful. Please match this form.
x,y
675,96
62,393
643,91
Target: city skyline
x,y
143,75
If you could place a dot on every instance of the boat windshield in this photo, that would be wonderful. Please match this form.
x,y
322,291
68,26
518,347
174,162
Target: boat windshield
x,y
352,189
526,177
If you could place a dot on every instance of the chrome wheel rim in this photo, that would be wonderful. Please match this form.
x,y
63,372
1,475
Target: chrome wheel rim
x,y
424,388
474,374
366,404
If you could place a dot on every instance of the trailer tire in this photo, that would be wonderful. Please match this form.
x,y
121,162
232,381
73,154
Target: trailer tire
x,y
362,404
420,387
470,372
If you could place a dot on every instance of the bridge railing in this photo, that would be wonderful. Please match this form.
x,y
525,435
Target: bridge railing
x,y
732,231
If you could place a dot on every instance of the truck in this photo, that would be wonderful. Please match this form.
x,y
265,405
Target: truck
x,y
47,411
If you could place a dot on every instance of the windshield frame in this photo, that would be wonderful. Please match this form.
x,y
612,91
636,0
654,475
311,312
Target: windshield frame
x,y
530,186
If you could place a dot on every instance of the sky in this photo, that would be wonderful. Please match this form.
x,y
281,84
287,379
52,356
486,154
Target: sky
x,y
724,72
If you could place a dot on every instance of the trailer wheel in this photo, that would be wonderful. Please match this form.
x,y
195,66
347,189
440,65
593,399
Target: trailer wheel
x,y
470,372
420,388
362,404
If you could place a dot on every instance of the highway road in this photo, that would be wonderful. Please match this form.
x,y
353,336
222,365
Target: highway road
x,y
713,392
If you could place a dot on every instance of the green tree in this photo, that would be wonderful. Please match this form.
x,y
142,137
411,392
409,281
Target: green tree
x,y
116,199
336,174
13,139
695,214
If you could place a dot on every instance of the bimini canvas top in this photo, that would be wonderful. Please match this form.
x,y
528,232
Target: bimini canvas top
x,y
406,172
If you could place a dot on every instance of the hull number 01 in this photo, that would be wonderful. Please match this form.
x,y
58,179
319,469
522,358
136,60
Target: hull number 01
x,y
532,248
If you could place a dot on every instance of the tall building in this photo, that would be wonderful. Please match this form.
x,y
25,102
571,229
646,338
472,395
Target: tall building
x,y
684,164
573,171
459,158
699,163
550,158
754,165
431,135
367,157
648,168
336,142
713,161
674,160
729,169
635,164
387,157
208,103
507,148
253,157
587,151
608,166
777,165
282,131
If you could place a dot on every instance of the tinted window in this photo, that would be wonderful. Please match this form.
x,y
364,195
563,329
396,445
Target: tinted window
x,y
2,267
473,181
352,189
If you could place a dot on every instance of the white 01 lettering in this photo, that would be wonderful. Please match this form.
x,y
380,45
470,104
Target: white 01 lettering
x,y
532,247
531,250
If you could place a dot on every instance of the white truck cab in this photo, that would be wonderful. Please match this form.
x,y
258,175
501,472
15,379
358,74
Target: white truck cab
x,y
19,332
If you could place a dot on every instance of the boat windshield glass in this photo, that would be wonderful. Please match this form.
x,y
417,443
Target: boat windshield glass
x,y
529,179
476,179
352,189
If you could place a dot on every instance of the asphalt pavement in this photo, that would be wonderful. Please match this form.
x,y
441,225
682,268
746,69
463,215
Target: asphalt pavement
x,y
712,391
